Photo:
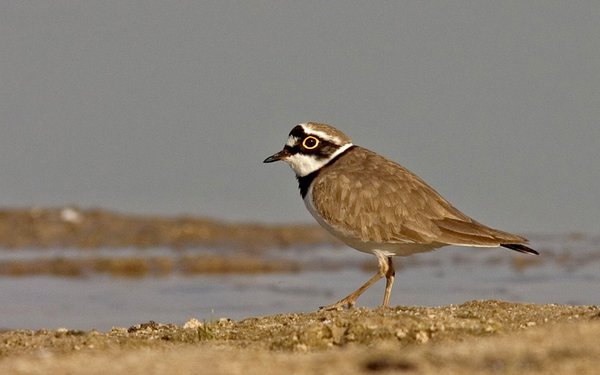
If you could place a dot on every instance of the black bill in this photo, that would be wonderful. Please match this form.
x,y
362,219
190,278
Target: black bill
x,y
278,156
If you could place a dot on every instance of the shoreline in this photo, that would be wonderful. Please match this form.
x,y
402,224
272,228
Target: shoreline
x,y
474,337
73,227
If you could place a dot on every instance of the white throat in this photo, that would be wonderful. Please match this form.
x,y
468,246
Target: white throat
x,y
304,165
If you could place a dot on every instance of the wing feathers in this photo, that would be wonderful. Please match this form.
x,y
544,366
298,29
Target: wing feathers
x,y
378,200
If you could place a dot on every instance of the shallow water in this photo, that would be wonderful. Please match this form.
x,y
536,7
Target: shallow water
x,y
569,273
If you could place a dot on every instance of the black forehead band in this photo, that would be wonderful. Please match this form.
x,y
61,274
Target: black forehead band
x,y
298,131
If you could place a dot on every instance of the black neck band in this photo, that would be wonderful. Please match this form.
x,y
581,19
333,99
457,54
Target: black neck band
x,y
305,181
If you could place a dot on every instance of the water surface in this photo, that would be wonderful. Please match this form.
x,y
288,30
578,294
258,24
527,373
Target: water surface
x,y
568,273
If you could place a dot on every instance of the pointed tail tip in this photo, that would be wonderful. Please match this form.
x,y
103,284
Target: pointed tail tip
x,y
520,248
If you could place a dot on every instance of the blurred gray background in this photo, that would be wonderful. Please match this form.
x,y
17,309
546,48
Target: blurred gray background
x,y
169,107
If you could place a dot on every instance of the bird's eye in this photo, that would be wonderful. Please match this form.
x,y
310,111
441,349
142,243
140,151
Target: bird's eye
x,y
310,142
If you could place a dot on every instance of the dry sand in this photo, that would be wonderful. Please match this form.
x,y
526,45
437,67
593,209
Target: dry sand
x,y
478,337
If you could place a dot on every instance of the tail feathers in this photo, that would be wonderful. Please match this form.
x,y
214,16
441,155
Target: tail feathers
x,y
520,248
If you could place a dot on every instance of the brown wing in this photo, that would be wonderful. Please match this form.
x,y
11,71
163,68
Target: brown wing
x,y
378,200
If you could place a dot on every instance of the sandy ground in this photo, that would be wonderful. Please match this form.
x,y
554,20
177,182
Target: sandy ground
x,y
478,337
71,227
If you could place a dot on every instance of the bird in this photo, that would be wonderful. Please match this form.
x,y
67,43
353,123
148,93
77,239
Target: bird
x,y
377,206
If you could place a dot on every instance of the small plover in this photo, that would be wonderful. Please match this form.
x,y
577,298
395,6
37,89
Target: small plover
x,y
377,206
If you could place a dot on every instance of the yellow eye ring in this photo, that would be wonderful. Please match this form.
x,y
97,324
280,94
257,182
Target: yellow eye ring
x,y
310,142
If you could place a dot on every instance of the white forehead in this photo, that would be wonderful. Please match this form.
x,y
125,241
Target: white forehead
x,y
291,141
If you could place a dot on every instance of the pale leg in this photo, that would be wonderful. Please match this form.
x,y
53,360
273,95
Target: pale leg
x,y
389,282
384,268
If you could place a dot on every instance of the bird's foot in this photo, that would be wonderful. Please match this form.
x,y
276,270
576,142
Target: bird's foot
x,y
339,305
